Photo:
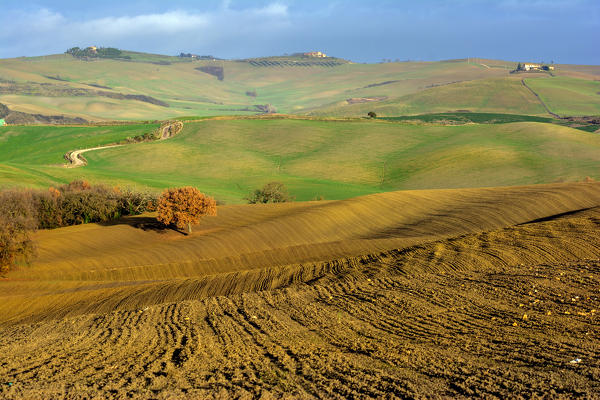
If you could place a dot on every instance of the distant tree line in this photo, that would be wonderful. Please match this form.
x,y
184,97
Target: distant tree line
x,y
100,52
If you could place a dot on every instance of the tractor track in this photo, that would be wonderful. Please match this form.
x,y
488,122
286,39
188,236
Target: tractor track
x,y
496,314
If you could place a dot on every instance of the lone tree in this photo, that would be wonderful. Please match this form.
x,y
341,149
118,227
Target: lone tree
x,y
184,207
272,192
372,114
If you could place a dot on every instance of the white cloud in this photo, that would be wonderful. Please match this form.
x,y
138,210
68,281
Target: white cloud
x,y
178,29
166,23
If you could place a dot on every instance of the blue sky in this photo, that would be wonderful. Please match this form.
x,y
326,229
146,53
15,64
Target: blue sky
x,y
564,31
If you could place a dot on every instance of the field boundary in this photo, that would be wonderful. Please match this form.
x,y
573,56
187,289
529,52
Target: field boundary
x,y
540,100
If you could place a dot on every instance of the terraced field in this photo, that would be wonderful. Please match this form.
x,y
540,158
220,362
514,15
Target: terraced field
x,y
484,292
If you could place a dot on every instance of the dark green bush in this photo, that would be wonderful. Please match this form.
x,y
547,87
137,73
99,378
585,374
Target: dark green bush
x,y
272,192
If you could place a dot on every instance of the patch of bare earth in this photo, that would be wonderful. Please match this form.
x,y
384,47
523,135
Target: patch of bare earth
x,y
498,314
358,100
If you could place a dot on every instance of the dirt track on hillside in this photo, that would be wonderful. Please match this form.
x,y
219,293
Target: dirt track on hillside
x,y
497,314
76,160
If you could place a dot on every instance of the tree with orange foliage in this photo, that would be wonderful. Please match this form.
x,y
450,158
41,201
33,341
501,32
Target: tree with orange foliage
x,y
184,207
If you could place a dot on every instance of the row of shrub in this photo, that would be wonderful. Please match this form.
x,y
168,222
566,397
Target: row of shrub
x,y
25,210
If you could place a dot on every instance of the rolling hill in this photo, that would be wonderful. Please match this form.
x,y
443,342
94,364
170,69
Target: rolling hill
x,y
229,157
133,263
355,298
160,87
448,248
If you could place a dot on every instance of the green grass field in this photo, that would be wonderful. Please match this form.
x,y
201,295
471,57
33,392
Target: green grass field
x,y
498,95
314,158
33,155
488,118
568,96
465,118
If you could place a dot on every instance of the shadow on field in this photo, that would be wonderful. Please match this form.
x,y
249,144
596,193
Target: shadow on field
x,y
143,223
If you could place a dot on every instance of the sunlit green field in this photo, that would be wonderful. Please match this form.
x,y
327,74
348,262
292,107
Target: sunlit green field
x,y
314,158
33,155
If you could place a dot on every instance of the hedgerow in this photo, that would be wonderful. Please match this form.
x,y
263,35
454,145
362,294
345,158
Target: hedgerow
x,y
22,211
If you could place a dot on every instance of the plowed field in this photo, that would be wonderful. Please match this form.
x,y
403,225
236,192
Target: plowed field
x,y
498,309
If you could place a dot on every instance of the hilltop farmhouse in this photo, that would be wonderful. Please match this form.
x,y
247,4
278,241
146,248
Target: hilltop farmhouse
x,y
528,67
537,67
317,54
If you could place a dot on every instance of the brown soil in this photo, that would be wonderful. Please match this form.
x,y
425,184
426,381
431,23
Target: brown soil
x,y
505,313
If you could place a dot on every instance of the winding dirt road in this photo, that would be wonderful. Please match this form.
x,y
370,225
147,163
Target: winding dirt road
x,y
76,159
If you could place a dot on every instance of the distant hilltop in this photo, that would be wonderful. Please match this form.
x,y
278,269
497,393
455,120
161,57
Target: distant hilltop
x,y
92,52
95,52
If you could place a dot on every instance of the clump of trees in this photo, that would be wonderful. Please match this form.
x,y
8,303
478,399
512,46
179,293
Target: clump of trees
x,y
22,211
372,114
184,206
272,192
100,52
79,203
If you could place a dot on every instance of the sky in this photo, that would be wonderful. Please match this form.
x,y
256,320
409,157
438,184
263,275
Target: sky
x,y
563,31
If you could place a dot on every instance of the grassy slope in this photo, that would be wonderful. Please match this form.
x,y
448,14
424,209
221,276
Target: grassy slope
x,y
94,268
492,95
412,87
333,159
33,155
568,96
191,92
